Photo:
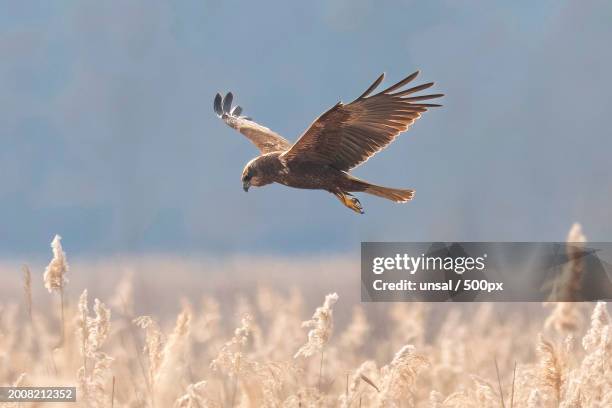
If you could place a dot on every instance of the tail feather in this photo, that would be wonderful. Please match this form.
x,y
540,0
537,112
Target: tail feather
x,y
393,194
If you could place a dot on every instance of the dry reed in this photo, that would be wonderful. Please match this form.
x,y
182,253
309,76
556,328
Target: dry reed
x,y
468,357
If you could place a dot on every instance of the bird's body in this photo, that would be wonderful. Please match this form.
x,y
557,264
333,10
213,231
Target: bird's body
x,y
340,139
272,168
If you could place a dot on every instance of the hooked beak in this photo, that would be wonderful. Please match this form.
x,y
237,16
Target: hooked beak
x,y
245,185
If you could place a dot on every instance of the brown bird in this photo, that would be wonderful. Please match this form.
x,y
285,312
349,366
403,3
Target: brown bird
x,y
337,141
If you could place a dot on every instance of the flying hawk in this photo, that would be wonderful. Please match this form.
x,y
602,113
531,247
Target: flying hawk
x,y
337,141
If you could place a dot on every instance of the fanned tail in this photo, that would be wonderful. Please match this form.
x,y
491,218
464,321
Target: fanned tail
x,y
394,194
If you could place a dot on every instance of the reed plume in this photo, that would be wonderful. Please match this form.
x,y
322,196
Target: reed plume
x,y
55,278
321,327
399,376
92,332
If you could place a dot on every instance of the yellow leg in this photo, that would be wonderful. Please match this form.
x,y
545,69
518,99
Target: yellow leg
x,y
350,201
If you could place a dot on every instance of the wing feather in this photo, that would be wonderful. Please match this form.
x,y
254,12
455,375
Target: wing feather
x,y
227,102
236,111
373,86
401,83
217,105
263,138
347,135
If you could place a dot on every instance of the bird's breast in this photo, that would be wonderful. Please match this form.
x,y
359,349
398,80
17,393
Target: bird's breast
x,y
307,175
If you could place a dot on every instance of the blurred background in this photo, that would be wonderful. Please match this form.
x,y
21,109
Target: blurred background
x,y
109,138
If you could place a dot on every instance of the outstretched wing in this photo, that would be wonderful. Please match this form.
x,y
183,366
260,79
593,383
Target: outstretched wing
x,y
347,135
266,140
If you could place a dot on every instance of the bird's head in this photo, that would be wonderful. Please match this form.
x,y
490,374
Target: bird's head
x,y
254,174
247,176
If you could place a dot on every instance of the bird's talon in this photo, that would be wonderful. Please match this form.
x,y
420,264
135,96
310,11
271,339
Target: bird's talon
x,y
349,201
356,205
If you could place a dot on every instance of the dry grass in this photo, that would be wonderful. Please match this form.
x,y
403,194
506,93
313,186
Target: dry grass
x,y
263,354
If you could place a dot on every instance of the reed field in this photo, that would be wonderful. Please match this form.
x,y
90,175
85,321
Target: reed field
x,y
281,341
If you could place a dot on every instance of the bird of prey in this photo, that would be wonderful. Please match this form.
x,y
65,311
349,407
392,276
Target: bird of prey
x,y
340,139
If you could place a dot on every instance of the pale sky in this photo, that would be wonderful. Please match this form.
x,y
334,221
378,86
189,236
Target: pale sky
x,y
109,138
